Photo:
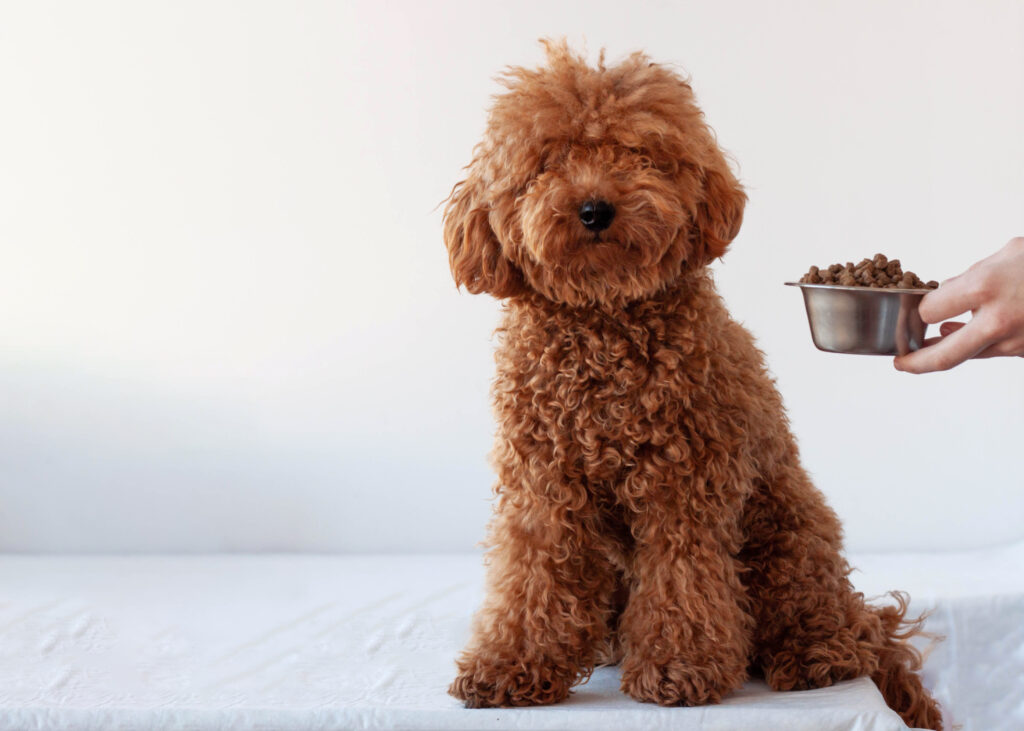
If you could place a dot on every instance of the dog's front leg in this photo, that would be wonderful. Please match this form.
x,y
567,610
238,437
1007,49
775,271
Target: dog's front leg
x,y
549,590
685,632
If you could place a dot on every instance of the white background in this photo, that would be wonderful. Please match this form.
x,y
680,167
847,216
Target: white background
x,y
226,320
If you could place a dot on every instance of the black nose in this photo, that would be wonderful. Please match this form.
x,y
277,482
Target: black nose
x,y
597,215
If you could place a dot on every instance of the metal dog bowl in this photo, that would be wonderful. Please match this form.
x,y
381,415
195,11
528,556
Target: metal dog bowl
x,y
863,320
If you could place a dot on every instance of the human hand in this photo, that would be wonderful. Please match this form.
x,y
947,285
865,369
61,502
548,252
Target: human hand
x,y
993,290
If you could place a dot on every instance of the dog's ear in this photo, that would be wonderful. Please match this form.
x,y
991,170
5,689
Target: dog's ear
x,y
474,252
720,212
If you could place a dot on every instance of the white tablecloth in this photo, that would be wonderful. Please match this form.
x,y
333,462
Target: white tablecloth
x,y
348,642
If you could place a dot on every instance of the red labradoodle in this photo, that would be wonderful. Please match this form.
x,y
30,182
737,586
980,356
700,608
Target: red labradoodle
x,y
651,509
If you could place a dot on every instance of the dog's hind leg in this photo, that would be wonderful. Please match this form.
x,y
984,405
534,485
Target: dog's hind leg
x,y
813,629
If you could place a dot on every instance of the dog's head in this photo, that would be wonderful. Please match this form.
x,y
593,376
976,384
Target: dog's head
x,y
591,186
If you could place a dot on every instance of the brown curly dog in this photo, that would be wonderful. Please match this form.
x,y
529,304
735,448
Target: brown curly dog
x,y
651,506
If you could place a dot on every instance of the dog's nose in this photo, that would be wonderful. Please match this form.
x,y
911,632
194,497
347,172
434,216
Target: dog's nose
x,y
597,215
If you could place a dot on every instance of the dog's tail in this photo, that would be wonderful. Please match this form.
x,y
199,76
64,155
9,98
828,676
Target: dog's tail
x,y
898,663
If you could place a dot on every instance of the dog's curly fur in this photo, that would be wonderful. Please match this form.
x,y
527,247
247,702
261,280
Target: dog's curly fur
x,y
651,506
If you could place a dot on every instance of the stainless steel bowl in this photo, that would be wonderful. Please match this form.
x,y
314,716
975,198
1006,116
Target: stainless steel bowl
x,y
864,320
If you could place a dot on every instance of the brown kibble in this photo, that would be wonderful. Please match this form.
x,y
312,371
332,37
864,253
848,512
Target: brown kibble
x,y
879,272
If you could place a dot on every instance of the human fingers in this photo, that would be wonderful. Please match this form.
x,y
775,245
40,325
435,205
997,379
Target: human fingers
x,y
943,332
1009,347
954,297
950,351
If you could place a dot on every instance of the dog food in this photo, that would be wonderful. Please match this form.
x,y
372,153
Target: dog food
x,y
880,272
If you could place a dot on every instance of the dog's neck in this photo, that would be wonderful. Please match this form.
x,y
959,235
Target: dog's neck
x,y
688,293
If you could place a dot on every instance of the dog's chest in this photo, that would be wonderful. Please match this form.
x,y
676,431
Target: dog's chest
x,y
625,381
602,392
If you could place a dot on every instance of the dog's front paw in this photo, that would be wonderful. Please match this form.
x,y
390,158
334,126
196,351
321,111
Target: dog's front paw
x,y
482,685
676,683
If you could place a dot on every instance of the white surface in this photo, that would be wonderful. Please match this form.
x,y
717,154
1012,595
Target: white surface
x,y
228,322
318,642
976,601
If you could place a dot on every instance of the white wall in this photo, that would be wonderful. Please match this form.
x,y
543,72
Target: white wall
x,y
227,320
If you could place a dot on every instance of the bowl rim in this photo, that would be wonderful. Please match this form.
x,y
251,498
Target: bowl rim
x,y
879,290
